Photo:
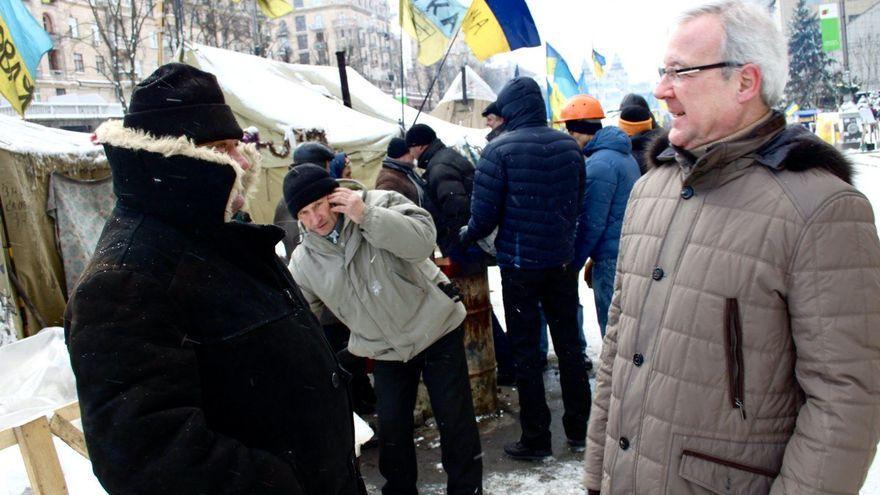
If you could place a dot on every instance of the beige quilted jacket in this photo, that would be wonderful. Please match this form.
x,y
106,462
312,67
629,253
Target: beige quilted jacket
x,y
743,345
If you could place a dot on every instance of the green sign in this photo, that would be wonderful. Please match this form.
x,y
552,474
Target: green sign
x,y
829,25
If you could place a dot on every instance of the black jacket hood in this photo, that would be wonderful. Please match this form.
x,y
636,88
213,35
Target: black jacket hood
x,y
522,104
174,179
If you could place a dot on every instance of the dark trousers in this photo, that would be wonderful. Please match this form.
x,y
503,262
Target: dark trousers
x,y
555,289
444,370
503,352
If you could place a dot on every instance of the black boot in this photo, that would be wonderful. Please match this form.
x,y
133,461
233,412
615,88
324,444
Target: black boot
x,y
520,452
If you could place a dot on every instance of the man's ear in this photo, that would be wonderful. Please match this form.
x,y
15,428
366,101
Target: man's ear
x,y
750,81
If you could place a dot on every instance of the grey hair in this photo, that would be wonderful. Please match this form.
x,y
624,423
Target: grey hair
x,y
750,36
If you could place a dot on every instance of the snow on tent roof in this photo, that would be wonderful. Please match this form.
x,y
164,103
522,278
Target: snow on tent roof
x,y
477,88
276,95
19,136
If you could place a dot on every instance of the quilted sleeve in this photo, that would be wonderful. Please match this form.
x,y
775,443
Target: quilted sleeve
x,y
487,200
834,306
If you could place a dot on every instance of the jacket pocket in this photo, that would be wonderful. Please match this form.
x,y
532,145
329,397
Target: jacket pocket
x,y
724,476
733,345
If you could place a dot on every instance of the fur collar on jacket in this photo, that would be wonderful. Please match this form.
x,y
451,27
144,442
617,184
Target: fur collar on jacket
x,y
113,133
794,148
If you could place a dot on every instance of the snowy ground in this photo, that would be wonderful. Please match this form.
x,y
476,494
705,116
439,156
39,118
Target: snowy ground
x,y
559,476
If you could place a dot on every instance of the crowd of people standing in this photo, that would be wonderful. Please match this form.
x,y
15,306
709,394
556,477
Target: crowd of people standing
x,y
735,270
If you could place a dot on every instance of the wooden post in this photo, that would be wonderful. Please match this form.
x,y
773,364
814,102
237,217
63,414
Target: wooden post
x,y
40,458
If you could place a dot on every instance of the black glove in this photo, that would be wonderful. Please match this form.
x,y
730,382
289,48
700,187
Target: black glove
x,y
451,290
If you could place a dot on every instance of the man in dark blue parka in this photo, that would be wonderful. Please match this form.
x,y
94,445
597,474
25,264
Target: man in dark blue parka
x,y
529,183
611,173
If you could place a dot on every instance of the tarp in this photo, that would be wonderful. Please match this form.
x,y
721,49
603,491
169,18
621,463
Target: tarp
x,y
276,97
80,209
29,153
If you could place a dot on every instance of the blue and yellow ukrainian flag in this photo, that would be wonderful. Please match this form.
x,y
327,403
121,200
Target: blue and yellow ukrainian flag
x,y
598,64
583,87
560,83
432,24
24,42
497,26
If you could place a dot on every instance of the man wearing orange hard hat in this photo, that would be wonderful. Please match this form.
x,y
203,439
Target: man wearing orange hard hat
x,y
611,172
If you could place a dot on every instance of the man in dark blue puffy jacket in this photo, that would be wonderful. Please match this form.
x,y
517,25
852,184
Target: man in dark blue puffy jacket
x,y
611,173
529,184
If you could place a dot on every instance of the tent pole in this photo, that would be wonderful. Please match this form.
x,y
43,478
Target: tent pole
x,y
437,75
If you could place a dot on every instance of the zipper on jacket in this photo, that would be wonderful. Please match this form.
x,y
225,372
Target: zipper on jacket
x,y
735,370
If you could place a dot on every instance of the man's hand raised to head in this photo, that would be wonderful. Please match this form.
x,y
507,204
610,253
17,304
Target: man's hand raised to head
x,y
348,202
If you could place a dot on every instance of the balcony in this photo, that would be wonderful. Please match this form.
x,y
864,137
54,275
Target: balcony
x,y
47,111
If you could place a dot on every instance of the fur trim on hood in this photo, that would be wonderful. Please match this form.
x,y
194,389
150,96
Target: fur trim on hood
x,y
794,148
113,133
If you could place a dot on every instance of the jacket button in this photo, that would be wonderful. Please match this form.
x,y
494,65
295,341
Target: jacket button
x,y
334,379
657,274
687,192
624,443
638,359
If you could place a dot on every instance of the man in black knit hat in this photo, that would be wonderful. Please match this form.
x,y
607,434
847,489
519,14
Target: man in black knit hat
x,y
198,366
364,256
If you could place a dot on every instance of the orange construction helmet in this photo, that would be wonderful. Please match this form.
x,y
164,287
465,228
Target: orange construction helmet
x,y
581,107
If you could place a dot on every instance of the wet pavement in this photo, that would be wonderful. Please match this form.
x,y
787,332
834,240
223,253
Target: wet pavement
x,y
560,474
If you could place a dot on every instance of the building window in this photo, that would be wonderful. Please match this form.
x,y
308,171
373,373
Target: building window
x,y
297,3
154,41
318,22
319,37
47,24
138,68
78,62
96,35
60,91
300,21
54,60
99,64
302,41
304,58
72,28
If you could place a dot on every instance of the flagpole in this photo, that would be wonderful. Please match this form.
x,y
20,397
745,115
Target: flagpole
x,y
437,75
402,84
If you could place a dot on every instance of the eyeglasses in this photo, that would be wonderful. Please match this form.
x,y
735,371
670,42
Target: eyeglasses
x,y
674,75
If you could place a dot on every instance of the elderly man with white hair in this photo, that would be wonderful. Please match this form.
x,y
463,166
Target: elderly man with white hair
x,y
743,344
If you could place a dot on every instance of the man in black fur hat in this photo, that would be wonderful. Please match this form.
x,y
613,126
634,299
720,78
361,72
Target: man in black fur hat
x,y
199,367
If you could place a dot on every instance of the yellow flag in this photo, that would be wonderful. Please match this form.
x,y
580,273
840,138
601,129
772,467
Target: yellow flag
x,y
23,43
273,9
432,42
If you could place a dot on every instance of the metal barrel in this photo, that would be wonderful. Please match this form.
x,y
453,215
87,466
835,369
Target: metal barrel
x,y
478,344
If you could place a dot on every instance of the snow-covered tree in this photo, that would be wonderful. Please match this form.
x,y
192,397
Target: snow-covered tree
x,y
810,76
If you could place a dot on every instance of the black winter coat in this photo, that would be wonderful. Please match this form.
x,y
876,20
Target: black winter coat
x,y
529,183
199,367
450,178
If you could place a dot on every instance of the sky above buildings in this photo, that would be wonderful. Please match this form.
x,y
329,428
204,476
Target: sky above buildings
x,y
633,30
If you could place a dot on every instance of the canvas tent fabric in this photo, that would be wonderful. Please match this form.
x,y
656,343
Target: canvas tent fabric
x,y
29,153
453,109
80,208
276,97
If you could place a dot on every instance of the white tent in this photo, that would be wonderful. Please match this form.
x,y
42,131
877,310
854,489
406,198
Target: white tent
x,y
455,109
277,97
